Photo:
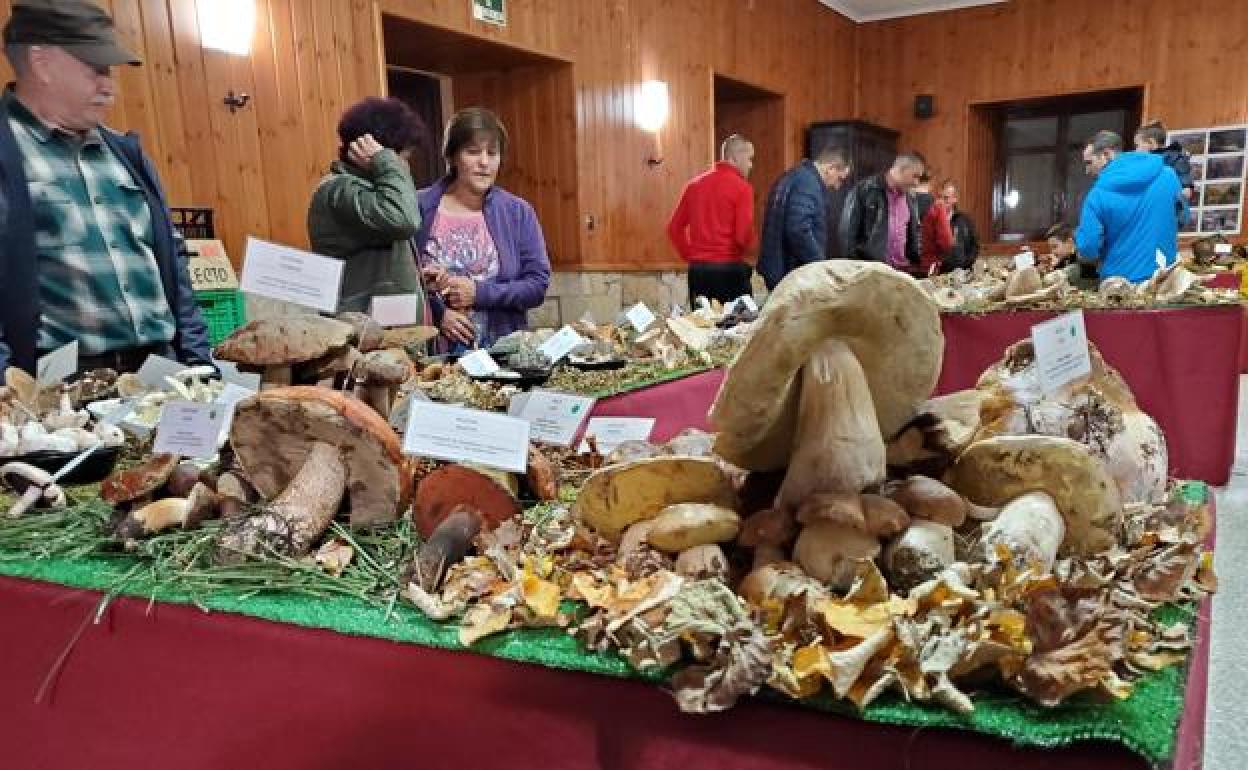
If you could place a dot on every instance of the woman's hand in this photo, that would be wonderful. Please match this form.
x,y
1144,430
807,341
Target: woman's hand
x,y
460,292
362,151
435,277
458,327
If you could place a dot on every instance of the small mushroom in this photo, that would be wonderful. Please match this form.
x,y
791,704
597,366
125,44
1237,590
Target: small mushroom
x,y
618,496
771,526
678,528
882,517
925,498
830,552
152,518
921,552
453,504
841,508
140,483
369,335
1030,527
275,345
33,486
383,371
542,476
703,562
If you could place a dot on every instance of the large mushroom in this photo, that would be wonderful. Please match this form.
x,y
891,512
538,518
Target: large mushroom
x,y
1099,412
943,427
1086,508
453,504
275,345
306,448
885,324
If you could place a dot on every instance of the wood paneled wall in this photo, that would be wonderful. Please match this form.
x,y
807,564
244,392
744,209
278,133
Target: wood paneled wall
x,y
1189,60
761,120
311,58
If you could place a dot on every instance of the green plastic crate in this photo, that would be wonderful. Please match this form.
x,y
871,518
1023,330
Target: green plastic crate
x,y
223,311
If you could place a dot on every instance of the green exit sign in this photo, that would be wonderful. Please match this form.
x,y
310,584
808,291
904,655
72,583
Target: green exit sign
x,y
490,11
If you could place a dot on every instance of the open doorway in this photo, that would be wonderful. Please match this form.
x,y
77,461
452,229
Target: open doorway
x,y
758,115
438,70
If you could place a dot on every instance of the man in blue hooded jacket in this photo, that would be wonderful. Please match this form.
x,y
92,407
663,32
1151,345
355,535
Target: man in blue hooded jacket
x,y
1128,215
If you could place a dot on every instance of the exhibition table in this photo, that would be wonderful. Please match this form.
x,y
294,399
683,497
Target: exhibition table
x,y
1181,363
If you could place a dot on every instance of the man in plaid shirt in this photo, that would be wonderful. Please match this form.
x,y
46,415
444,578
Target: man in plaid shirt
x,y
90,252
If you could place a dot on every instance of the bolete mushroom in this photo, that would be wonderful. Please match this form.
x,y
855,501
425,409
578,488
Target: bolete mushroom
x,y
383,371
830,552
275,345
33,486
933,439
275,431
999,470
453,504
679,527
1031,527
616,497
135,486
929,499
920,553
890,326
369,335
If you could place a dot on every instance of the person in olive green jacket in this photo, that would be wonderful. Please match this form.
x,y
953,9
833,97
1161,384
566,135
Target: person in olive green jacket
x,y
364,211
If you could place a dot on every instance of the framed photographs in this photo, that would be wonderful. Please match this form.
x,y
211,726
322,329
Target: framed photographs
x,y
1218,163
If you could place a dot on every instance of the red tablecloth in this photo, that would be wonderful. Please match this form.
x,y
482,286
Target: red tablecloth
x,y
674,405
1182,365
163,686
1231,281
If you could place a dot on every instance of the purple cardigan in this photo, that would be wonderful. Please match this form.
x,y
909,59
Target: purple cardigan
x,y
523,267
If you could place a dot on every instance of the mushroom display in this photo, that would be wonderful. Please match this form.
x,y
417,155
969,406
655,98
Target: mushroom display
x,y
618,496
33,486
306,449
998,471
1099,411
274,346
890,327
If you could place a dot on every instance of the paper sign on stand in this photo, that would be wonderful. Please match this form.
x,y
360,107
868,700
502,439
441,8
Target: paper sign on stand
x,y
640,316
189,429
393,310
1024,260
229,398
209,268
553,417
610,432
561,343
1221,248
460,435
156,368
282,273
478,363
230,375
398,415
58,365
1061,347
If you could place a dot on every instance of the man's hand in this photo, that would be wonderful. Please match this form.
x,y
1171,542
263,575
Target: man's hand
x,y
458,327
362,151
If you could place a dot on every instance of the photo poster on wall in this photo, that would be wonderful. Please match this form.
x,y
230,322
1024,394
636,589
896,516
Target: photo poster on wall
x,y
1218,165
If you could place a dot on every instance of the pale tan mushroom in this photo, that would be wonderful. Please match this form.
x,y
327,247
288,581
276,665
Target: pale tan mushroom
x,y
680,527
616,497
882,517
933,439
830,552
918,554
383,371
1031,527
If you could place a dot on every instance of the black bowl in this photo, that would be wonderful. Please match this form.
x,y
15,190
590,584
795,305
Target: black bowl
x,y
527,379
598,365
94,468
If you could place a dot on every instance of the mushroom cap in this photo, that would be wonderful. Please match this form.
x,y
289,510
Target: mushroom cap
x,y
141,481
885,318
369,334
285,340
688,525
770,526
995,471
450,487
925,498
934,437
1018,366
1024,281
829,552
385,367
618,496
779,582
19,476
842,508
274,431
883,517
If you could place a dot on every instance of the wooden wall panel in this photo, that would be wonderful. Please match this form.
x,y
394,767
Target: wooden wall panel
x,y
762,122
1188,62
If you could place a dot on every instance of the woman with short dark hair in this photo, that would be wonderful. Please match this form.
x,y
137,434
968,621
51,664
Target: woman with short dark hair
x,y
481,247
365,211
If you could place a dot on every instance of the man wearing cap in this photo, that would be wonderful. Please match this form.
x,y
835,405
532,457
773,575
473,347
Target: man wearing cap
x,y
90,252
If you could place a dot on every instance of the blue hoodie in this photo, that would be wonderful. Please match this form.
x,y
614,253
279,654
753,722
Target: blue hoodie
x,y
1128,215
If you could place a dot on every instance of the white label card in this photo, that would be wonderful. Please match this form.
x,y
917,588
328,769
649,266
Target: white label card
x,y
561,343
155,369
230,375
745,303
1061,350
1024,260
554,417
478,363
189,429
280,272
610,432
640,316
398,415
229,397
58,365
1221,248
396,310
456,434
1161,259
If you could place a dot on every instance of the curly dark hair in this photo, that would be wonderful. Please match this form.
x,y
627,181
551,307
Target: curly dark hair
x,y
391,122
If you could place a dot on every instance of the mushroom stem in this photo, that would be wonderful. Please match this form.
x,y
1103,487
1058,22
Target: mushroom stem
x,y
379,397
448,545
24,503
302,512
838,446
1031,527
276,376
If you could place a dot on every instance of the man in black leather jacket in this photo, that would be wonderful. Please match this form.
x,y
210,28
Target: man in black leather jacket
x,y
880,221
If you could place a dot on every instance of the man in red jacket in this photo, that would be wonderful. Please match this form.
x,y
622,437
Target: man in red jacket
x,y
713,225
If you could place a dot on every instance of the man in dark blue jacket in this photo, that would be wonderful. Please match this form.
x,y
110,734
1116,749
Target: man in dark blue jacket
x,y
1127,223
89,249
795,222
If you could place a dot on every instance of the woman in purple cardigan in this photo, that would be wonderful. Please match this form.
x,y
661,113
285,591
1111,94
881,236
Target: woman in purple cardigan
x,y
481,248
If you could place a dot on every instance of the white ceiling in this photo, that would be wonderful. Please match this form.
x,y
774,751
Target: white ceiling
x,y
874,10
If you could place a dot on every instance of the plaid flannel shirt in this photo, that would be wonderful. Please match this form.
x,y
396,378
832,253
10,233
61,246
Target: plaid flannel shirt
x,y
98,278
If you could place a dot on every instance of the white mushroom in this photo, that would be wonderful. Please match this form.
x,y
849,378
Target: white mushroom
x,y
1031,527
34,486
